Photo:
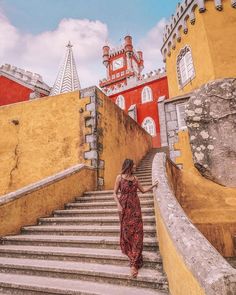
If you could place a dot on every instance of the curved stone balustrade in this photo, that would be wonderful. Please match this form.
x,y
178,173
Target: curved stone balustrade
x,y
185,251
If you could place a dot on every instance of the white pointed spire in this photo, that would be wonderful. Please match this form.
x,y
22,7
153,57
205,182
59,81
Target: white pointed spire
x,y
67,79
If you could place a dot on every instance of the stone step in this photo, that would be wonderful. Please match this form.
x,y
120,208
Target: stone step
x,y
97,212
107,193
114,274
106,205
104,230
88,255
149,179
144,170
108,198
144,204
144,165
98,242
141,174
144,176
145,181
32,285
146,160
95,221
145,184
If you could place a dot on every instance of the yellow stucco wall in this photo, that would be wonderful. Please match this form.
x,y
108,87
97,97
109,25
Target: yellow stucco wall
x,y
121,137
181,282
212,40
49,138
41,202
210,206
220,28
185,158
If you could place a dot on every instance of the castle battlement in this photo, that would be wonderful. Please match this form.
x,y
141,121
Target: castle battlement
x,y
23,76
134,81
116,50
178,23
121,49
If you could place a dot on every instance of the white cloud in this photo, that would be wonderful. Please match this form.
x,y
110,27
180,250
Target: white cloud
x,y
9,36
43,53
151,45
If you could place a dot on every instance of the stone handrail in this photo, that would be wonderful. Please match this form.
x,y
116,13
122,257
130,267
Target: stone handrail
x,y
4,199
211,271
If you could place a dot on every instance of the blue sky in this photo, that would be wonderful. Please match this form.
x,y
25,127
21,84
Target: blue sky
x,y
133,16
33,20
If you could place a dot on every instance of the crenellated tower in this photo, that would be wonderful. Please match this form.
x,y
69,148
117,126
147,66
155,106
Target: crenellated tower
x,y
198,44
121,63
186,13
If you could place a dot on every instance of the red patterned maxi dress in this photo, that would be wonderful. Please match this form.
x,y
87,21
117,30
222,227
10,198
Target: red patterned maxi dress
x,y
131,231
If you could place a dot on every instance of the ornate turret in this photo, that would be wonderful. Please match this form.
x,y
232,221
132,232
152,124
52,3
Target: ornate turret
x,y
105,56
128,45
67,78
140,54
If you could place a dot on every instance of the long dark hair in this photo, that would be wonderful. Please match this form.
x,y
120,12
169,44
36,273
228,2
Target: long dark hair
x,y
127,166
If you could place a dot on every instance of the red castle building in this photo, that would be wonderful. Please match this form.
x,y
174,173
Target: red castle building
x,y
133,92
19,85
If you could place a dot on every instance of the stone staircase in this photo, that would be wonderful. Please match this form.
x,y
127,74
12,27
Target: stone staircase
x,y
76,251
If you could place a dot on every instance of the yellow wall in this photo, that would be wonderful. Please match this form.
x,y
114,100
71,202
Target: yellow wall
x,y
121,137
220,28
41,202
181,282
49,138
210,206
212,40
185,158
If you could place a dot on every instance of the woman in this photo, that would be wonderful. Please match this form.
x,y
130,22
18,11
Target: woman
x,y
131,232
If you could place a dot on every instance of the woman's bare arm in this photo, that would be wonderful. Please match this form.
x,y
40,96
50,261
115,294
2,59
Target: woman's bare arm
x,y
116,190
142,189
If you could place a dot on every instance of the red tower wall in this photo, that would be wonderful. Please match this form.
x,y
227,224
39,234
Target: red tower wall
x,y
12,92
148,109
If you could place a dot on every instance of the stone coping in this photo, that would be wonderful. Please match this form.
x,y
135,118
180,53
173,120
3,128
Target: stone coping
x,y
42,183
210,269
178,98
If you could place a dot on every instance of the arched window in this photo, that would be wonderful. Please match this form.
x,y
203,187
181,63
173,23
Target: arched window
x,y
146,94
120,101
185,67
149,125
